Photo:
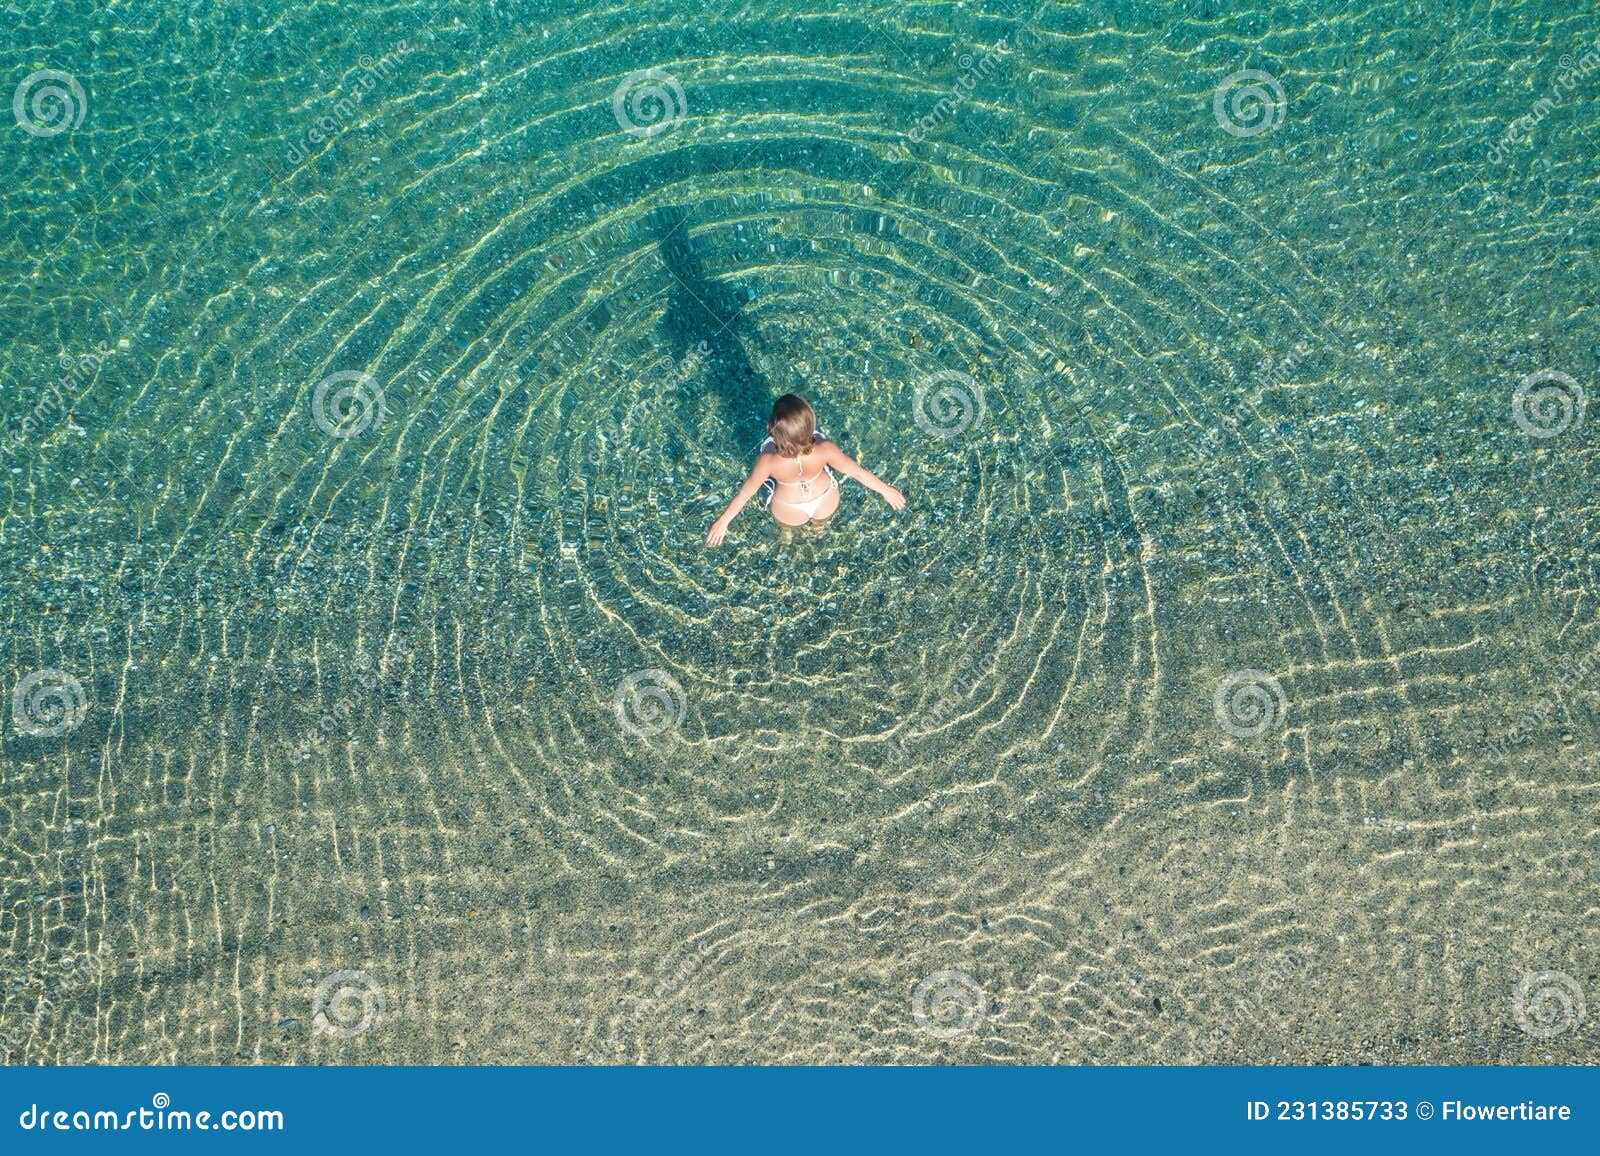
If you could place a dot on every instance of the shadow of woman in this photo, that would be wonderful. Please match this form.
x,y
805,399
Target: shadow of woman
x,y
707,315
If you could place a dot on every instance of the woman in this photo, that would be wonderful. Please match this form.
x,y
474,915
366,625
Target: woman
x,y
796,468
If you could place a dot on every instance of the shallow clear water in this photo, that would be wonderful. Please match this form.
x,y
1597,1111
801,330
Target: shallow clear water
x,y
1227,690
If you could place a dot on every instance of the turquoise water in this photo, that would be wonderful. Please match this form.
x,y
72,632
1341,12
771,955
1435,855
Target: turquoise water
x,y
1226,691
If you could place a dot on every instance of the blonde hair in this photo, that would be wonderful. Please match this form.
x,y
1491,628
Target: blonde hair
x,y
792,426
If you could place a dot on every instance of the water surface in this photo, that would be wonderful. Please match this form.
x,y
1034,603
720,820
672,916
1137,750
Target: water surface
x,y
1226,692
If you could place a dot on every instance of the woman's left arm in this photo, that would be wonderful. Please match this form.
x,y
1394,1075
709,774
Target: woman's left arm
x,y
851,468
